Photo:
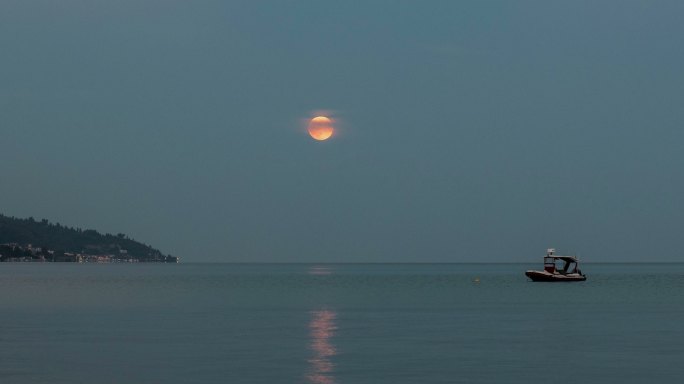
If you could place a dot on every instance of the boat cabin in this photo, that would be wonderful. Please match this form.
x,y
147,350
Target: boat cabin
x,y
559,264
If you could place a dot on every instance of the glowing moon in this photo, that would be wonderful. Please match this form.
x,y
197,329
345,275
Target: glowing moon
x,y
321,128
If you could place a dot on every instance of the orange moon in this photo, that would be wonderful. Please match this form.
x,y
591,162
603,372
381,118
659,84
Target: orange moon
x,y
321,128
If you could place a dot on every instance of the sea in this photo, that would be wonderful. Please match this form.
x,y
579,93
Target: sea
x,y
338,323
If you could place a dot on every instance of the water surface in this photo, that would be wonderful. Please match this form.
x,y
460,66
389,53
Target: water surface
x,y
338,323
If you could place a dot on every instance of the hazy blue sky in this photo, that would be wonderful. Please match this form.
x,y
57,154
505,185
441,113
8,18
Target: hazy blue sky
x,y
467,130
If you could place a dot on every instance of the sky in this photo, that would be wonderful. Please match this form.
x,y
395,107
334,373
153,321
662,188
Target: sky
x,y
466,131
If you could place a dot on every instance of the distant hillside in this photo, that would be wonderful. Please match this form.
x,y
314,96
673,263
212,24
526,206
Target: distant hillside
x,y
61,239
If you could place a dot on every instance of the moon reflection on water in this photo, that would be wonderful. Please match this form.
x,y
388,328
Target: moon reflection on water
x,y
321,330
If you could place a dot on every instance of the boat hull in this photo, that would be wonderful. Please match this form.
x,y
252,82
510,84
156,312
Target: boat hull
x,y
554,277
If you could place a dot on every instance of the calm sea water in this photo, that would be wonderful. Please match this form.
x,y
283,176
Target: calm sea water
x,y
301,323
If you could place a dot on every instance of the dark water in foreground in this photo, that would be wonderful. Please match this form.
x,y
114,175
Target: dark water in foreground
x,y
382,323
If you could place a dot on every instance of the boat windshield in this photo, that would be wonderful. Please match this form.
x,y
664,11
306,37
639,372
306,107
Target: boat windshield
x,y
563,266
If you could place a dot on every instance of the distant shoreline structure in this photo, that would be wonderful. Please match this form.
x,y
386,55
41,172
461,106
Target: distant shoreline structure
x,y
29,240
15,253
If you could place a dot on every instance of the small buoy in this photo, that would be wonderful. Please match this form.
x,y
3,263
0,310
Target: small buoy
x,y
476,280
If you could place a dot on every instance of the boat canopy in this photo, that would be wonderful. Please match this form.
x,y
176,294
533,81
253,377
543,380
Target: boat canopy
x,y
551,253
571,259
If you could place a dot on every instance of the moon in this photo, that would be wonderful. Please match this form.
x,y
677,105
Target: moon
x,y
321,128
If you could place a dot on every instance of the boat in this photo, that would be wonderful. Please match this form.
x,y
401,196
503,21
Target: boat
x,y
557,268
